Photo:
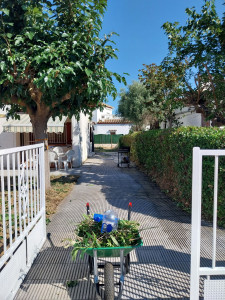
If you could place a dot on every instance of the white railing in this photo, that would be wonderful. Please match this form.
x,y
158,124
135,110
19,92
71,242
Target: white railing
x,y
22,223
213,289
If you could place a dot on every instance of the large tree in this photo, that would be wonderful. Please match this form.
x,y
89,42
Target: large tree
x,y
52,60
133,106
200,44
164,88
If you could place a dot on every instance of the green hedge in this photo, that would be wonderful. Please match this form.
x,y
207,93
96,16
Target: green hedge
x,y
167,156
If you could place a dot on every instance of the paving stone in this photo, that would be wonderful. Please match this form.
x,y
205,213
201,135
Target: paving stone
x,y
160,269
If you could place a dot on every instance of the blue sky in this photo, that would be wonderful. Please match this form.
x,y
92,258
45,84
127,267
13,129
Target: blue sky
x,y
141,39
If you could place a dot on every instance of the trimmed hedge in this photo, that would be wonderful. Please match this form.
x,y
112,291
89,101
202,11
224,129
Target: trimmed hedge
x,y
166,155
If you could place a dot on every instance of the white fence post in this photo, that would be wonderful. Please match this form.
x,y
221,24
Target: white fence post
x,y
196,222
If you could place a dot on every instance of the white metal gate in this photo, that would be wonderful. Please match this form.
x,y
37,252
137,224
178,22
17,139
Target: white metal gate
x,y
22,208
213,289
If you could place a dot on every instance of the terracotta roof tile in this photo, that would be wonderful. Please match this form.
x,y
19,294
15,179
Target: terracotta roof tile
x,y
114,121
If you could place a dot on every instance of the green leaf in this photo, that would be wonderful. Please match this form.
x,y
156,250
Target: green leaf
x,y
9,35
30,35
64,34
5,11
88,72
79,65
114,240
18,40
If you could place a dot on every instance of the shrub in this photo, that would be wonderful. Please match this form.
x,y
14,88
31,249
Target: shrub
x,y
166,155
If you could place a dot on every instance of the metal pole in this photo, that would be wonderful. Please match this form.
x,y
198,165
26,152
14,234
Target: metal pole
x,y
196,222
129,210
88,209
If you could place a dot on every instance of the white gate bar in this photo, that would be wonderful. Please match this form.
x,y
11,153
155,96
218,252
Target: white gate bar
x,y
14,194
22,184
204,271
37,166
215,210
35,200
42,187
3,204
19,191
20,149
196,222
211,152
9,201
28,190
31,159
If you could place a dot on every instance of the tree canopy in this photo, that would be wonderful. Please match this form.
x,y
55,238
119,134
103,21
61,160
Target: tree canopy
x,y
192,73
200,45
52,60
133,105
164,86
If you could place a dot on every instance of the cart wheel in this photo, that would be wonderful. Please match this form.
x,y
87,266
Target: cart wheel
x,y
91,264
127,264
109,281
98,297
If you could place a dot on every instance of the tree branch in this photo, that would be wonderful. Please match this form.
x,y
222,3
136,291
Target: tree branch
x,y
213,87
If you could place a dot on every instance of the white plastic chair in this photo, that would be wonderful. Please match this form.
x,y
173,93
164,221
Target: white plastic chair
x,y
58,150
53,158
67,159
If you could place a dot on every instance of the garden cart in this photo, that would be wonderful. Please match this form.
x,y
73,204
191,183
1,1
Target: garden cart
x,y
123,253
124,156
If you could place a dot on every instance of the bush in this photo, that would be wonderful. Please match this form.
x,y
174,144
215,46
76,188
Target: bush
x,y
166,155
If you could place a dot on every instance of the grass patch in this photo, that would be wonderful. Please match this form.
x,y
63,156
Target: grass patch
x,y
61,186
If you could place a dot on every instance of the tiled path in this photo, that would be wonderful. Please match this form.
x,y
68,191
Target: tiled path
x,y
159,270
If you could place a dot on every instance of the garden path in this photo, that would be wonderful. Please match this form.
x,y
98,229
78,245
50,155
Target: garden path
x,y
160,269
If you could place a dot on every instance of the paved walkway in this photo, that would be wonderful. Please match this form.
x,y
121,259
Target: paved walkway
x,y
159,270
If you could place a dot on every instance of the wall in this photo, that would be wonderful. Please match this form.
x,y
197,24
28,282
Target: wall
x,y
105,128
102,115
187,117
7,139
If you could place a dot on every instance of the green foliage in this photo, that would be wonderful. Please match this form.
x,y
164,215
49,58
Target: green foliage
x,y
199,45
88,235
167,156
164,86
133,105
52,60
72,283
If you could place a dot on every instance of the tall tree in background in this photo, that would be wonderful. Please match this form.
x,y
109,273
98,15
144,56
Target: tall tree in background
x,y
133,105
164,87
201,45
52,61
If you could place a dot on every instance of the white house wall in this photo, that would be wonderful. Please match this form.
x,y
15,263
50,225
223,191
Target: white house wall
x,y
105,128
7,139
105,114
191,119
187,117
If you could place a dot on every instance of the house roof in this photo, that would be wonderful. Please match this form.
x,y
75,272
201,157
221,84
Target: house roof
x,y
107,105
24,124
114,121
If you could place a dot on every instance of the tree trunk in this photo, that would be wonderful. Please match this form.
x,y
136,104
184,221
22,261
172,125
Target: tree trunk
x,y
39,123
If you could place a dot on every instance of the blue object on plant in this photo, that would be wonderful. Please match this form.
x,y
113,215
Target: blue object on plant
x,y
109,221
98,217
